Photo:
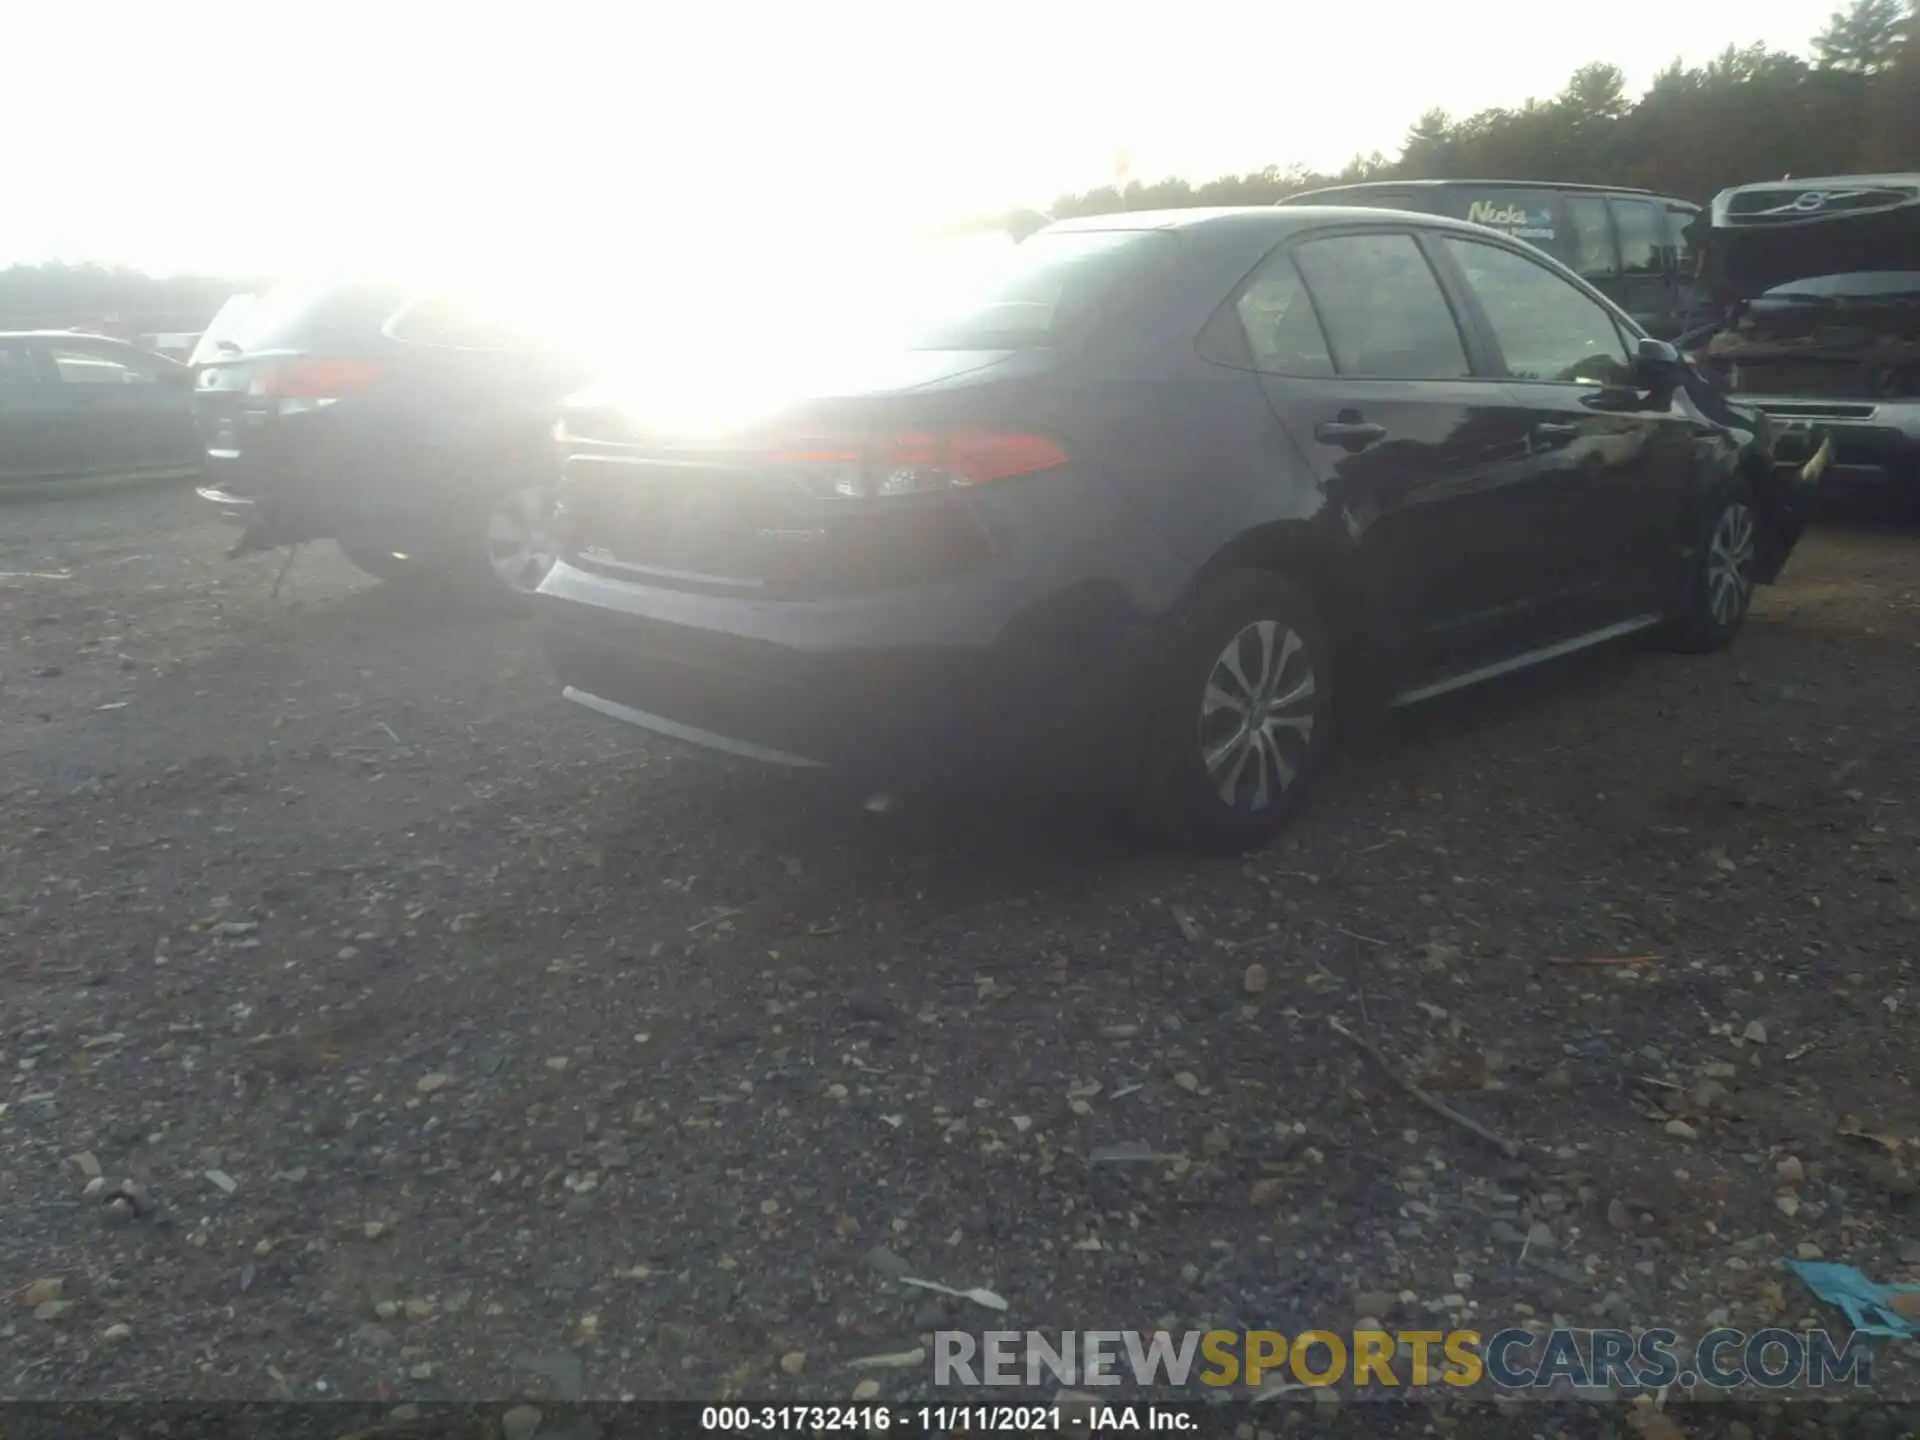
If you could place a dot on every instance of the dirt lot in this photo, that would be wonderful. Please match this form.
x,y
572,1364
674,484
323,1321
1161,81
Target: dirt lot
x,y
452,1043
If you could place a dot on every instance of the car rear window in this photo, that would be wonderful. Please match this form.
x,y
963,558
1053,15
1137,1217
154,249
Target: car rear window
x,y
463,322
317,316
1048,290
219,333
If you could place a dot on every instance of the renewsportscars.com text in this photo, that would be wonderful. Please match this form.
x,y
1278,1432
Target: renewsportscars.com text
x,y
1511,1359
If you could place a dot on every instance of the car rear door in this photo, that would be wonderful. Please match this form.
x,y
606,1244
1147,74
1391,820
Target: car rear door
x,y
29,416
105,402
1363,358
1611,459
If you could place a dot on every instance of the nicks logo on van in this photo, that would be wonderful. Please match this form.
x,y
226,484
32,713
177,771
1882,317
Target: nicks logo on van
x,y
1513,217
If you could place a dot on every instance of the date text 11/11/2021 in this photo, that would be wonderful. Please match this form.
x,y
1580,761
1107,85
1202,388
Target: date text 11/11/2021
x,y
939,1419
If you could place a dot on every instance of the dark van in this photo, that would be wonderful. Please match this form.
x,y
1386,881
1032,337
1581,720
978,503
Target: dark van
x,y
1629,244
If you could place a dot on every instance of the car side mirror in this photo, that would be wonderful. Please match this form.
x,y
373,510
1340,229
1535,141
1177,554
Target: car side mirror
x,y
1656,363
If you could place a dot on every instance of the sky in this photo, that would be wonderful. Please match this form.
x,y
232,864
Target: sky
x,y
222,137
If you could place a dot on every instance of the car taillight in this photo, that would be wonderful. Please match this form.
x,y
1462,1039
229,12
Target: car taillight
x,y
309,384
916,462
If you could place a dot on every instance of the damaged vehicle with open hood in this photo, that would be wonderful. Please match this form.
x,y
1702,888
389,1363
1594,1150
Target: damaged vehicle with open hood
x,y
1814,287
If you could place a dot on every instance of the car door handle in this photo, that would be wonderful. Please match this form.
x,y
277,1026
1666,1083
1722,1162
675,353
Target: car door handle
x,y
1354,434
1549,434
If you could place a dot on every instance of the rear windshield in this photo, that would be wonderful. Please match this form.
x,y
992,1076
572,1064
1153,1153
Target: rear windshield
x,y
1047,291
464,322
221,328
317,317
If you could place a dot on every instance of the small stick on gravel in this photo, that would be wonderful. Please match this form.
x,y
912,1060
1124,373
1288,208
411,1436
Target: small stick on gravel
x,y
1604,960
1509,1148
1356,935
715,919
285,566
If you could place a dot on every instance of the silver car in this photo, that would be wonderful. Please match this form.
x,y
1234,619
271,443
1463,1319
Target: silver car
x,y
1816,293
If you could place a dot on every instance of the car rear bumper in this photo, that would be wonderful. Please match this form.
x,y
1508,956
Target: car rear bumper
x,y
889,689
297,489
253,488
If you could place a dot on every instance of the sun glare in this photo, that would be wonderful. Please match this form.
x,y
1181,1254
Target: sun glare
x,y
707,335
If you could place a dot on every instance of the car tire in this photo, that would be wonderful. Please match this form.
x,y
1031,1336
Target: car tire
x,y
1720,585
1243,714
517,543
499,551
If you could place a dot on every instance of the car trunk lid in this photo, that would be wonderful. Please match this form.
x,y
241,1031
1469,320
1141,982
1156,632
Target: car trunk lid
x,y
861,487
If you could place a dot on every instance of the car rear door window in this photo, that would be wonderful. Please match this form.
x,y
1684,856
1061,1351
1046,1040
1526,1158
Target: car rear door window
x,y
1276,316
1590,246
80,366
1385,314
1547,330
1641,240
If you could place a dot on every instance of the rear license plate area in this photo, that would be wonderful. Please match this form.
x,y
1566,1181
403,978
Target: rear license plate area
x,y
692,521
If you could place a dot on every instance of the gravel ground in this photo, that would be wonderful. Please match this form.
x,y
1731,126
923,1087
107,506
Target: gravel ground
x,y
376,1025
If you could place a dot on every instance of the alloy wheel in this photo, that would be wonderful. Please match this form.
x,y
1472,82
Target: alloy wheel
x,y
1730,556
521,544
1257,715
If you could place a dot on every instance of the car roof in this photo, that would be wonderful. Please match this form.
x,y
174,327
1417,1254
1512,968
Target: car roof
x,y
68,335
1485,184
1276,221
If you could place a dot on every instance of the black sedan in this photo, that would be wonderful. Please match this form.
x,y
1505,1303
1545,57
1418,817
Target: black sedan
x,y
1141,510
74,405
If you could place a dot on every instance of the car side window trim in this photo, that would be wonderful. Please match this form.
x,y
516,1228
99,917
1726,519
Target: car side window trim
x,y
1475,355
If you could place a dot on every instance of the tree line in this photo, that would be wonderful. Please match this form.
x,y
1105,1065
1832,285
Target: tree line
x,y
113,299
1749,114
